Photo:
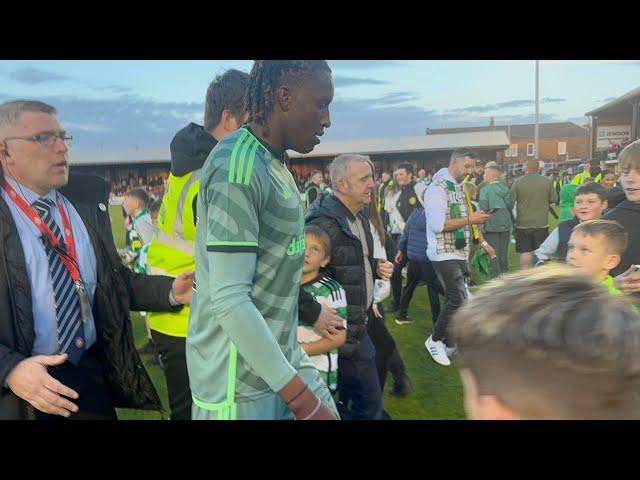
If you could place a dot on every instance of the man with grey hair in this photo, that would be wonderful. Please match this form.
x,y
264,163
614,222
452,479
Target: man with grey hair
x,y
66,346
352,264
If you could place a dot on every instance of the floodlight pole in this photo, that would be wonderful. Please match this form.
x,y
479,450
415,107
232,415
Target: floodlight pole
x,y
537,133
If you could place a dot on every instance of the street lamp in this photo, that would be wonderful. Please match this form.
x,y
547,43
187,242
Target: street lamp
x,y
537,136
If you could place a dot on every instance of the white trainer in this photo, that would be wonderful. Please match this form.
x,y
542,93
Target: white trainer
x,y
438,352
451,351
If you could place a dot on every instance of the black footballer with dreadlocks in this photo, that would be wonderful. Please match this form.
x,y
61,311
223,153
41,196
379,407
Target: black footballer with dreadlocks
x,y
267,76
287,103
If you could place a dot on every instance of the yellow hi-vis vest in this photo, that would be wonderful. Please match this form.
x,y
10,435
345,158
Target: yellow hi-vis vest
x,y
577,180
172,250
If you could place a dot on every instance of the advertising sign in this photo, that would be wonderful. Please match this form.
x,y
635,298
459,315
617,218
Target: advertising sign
x,y
610,135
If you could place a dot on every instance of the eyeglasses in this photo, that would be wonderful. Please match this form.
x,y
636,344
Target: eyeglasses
x,y
46,139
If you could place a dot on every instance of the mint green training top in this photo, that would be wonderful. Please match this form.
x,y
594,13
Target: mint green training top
x,y
241,341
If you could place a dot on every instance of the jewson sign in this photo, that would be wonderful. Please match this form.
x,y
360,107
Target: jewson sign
x,y
609,135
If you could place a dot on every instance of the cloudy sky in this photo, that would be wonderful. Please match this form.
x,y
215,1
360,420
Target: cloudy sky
x,y
117,104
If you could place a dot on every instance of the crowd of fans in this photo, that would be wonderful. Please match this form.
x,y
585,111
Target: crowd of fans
x,y
154,184
264,305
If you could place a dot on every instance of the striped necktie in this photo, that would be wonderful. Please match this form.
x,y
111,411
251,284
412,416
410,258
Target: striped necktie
x,y
70,328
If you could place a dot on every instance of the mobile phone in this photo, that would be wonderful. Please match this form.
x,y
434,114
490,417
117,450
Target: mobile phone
x,y
493,210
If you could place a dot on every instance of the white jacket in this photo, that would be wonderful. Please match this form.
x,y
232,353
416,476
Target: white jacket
x,y
381,288
396,221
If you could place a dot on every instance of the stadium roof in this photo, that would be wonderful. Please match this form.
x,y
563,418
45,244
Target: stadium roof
x,y
421,143
547,130
620,101
114,156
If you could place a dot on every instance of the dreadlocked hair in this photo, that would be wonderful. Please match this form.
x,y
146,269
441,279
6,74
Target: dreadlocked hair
x,y
267,76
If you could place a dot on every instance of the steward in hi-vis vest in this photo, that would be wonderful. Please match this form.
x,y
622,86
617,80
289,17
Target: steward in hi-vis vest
x,y
172,252
173,249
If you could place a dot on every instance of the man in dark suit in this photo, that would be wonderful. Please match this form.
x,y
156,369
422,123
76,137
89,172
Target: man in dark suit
x,y
66,344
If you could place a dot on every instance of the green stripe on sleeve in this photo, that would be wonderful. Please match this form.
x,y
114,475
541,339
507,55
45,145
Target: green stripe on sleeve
x,y
234,153
252,157
241,161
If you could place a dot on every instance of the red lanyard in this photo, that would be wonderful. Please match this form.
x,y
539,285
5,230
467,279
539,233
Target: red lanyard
x,y
68,258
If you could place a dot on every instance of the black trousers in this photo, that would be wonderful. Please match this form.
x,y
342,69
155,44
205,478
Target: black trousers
x,y
452,275
384,344
396,277
359,393
172,351
416,272
94,401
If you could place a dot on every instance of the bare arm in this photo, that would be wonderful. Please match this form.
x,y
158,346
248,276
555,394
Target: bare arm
x,y
476,218
325,345
455,223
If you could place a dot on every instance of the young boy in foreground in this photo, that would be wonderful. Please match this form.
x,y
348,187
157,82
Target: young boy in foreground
x,y
323,352
548,343
595,247
589,203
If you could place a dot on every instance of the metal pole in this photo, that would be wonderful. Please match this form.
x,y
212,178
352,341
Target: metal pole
x,y
510,159
537,135
634,121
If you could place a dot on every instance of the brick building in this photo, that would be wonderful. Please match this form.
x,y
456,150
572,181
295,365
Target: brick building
x,y
563,142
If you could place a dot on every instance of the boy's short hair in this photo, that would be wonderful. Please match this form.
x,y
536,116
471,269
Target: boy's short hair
x,y
550,343
587,188
629,157
608,171
614,234
320,235
141,194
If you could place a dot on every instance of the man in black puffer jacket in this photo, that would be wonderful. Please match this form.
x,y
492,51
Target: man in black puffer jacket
x,y
353,266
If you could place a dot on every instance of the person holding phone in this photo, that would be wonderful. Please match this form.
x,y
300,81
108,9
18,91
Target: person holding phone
x,y
494,199
451,226
627,213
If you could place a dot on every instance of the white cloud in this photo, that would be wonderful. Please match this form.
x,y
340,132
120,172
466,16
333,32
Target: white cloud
x,y
85,127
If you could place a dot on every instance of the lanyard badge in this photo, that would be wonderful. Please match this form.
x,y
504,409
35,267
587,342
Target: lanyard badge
x,y
66,252
83,299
